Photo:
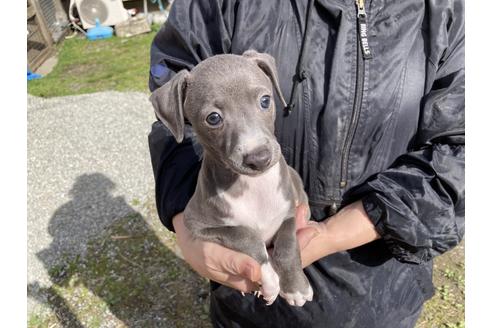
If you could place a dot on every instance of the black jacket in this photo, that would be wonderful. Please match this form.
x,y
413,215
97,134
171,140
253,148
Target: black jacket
x,y
388,130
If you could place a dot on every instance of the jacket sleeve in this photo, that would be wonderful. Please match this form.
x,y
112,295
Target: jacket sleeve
x,y
195,30
418,204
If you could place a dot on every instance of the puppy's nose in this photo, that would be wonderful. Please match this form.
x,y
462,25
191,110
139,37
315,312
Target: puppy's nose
x,y
258,159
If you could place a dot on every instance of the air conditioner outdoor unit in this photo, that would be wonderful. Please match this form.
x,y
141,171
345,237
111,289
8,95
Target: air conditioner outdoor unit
x,y
109,12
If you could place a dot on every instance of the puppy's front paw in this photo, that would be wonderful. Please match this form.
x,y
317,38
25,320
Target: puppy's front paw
x,y
298,298
270,286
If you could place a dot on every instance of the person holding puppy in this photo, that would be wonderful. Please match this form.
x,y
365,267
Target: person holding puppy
x,y
375,128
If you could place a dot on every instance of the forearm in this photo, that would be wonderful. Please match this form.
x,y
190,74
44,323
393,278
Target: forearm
x,y
176,167
349,228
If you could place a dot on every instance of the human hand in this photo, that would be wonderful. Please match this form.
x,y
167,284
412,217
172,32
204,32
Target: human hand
x,y
309,236
349,228
216,262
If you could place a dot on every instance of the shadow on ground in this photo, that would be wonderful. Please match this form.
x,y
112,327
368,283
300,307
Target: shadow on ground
x,y
112,266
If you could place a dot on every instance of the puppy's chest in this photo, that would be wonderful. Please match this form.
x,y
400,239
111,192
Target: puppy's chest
x,y
260,204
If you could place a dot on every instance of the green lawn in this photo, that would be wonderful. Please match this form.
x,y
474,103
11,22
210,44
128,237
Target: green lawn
x,y
85,66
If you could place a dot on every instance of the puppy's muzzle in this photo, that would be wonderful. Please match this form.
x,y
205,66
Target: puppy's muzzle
x,y
258,159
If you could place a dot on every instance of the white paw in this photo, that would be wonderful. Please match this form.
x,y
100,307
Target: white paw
x,y
270,286
298,298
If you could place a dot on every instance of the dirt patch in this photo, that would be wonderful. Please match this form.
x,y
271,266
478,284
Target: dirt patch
x,y
75,70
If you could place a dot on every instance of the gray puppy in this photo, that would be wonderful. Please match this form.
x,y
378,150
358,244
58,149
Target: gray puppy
x,y
246,194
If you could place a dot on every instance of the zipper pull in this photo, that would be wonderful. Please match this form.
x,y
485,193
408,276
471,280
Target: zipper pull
x,y
332,209
362,27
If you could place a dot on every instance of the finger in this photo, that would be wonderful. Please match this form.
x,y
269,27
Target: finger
x,y
301,212
305,235
240,283
242,265
232,281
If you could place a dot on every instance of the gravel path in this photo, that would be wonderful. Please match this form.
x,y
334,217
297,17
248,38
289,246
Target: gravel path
x,y
88,161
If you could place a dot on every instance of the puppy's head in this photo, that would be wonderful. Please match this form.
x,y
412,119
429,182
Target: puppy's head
x,y
229,100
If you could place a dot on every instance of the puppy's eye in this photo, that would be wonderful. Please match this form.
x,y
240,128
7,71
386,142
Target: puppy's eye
x,y
214,119
265,102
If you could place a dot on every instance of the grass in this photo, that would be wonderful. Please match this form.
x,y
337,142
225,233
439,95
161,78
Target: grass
x,y
85,66
447,308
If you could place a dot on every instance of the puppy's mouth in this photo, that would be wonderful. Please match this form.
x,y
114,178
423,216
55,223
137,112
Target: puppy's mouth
x,y
239,168
252,168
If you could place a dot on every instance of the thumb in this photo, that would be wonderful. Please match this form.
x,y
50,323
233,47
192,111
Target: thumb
x,y
305,235
244,266
301,212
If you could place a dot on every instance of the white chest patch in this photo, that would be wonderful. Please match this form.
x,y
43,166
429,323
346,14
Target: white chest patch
x,y
262,205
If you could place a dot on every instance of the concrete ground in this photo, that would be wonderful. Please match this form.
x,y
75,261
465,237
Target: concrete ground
x,y
88,161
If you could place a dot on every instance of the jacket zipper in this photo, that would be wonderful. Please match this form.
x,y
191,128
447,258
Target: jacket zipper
x,y
363,53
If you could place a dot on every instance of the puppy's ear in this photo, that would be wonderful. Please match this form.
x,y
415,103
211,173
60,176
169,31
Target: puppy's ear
x,y
168,103
267,65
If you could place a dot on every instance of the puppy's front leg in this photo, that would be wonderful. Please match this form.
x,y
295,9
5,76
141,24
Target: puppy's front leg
x,y
286,258
246,240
